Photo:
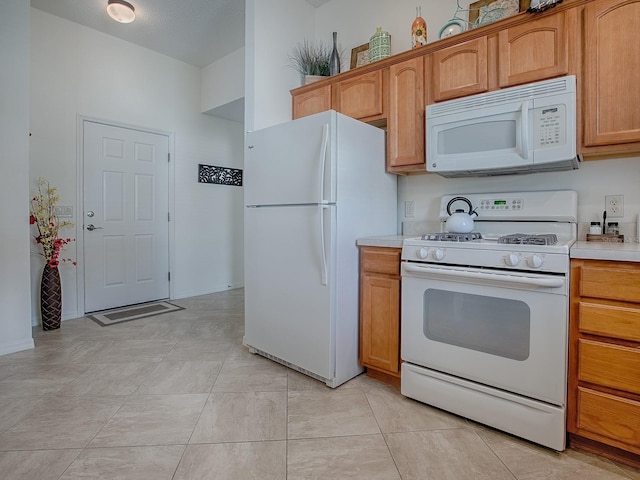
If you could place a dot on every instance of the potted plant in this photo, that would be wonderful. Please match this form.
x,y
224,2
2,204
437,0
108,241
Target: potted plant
x,y
311,60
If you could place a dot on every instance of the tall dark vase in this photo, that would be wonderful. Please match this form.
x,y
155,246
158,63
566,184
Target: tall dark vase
x,y
50,298
334,59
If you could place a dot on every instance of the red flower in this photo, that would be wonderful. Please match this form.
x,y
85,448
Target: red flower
x,y
32,220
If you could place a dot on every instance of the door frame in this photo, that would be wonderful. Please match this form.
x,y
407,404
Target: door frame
x,y
80,121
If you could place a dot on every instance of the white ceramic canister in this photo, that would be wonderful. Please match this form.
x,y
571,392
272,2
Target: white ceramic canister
x,y
379,45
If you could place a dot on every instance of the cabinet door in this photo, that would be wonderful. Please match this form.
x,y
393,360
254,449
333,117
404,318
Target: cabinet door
x,y
380,327
533,51
611,72
360,97
460,70
313,101
405,125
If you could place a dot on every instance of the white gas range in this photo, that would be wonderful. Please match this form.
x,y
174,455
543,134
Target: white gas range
x,y
485,314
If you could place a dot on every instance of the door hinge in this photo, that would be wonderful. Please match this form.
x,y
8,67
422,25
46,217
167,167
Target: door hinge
x,y
169,276
168,216
168,157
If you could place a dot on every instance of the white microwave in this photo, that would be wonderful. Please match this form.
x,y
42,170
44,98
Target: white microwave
x,y
524,129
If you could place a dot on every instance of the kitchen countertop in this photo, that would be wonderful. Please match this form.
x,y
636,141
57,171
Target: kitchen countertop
x,y
621,252
392,241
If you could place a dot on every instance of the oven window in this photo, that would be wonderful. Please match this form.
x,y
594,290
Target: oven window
x,y
492,325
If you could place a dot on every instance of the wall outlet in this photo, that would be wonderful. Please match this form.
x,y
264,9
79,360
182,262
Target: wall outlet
x,y
614,205
408,209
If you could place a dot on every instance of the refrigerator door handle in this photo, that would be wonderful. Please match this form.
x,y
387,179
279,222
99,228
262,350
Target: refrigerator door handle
x,y
323,162
325,273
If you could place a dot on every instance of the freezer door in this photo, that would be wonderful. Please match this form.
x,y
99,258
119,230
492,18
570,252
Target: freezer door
x,y
290,163
288,287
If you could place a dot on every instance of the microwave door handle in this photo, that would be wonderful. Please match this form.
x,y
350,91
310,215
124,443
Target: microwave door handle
x,y
524,132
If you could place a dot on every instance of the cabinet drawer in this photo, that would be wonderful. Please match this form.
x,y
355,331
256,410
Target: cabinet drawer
x,y
610,365
613,417
619,283
381,260
609,320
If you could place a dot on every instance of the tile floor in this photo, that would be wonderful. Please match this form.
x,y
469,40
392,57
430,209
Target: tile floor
x,y
178,397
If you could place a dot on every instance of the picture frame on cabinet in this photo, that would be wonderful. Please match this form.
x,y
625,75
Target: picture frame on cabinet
x,y
359,56
483,12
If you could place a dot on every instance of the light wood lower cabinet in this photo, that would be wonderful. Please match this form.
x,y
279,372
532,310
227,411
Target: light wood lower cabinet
x,y
380,312
603,413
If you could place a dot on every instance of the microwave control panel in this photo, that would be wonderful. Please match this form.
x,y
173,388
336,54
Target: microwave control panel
x,y
550,126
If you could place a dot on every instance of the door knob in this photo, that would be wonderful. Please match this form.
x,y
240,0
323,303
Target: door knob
x,y
90,213
91,227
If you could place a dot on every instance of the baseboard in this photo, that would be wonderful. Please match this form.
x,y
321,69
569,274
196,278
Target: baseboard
x,y
16,347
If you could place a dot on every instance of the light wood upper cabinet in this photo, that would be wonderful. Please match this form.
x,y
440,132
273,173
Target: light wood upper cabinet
x,y
405,125
611,82
533,51
312,101
361,97
459,70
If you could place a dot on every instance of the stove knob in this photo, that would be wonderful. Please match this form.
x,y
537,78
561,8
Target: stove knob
x,y
512,259
535,261
438,254
422,253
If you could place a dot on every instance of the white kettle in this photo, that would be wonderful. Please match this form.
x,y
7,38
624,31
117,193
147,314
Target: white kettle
x,y
460,221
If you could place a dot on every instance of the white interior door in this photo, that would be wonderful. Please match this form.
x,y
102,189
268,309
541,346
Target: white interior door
x,y
125,217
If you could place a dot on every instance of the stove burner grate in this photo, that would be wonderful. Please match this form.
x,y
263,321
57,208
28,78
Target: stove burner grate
x,y
452,237
529,239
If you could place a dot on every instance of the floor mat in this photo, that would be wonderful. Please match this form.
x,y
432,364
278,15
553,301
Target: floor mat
x,y
132,312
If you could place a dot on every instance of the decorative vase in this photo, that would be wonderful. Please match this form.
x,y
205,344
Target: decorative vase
x,y
334,59
50,298
379,45
418,30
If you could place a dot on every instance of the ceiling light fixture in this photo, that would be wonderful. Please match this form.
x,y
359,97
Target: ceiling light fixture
x,y
121,11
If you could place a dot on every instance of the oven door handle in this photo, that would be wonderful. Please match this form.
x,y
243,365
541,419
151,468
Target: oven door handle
x,y
511,279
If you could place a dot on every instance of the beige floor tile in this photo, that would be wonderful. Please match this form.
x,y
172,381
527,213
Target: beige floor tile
x,y
35,464
190,350
61,422
125,351
354,458
234,461
330,413
529,461
256,374
397,413
297,381
445,455
631,472
180,377
242,417
125,463
12,410
40,380
109,379
8,370
152,420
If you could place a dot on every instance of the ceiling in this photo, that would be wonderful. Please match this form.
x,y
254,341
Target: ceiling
x,y
197,32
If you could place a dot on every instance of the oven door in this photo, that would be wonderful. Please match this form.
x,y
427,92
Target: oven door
x,y
503,329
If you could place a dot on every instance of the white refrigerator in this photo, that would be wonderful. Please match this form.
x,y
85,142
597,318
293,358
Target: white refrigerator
x,y
312,187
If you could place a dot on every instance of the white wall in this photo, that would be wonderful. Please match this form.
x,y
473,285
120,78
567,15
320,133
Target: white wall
x,y
80,71
15,305
223,81
355,21
272,30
